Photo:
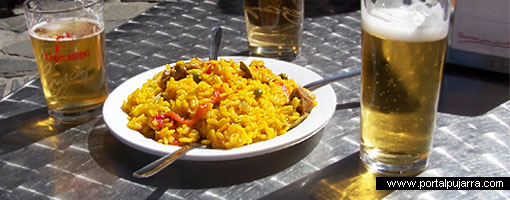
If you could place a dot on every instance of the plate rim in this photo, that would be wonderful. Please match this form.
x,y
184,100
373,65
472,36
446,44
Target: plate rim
x,y
150,146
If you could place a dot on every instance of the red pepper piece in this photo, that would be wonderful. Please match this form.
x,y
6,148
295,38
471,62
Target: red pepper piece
x,y
159,119
284,88
200,111
211,68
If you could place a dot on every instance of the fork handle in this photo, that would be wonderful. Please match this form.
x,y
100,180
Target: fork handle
x,y
160,164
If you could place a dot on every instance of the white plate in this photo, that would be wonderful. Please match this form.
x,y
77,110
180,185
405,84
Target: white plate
x,y
116,119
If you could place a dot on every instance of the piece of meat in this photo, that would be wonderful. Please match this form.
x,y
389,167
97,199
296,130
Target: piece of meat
x,y
306,97
163,79
177,71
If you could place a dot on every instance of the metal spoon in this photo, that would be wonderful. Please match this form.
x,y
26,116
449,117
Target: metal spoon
x,y
319,83
153,168
161,163
214,44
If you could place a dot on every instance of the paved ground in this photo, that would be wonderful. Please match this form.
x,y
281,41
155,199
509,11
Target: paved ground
x,y
17,63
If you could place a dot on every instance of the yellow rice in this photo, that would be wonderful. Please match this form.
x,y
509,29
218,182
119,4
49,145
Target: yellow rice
x,y
239,118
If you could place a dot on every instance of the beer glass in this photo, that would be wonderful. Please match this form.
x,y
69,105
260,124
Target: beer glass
x,y
274,27
68,42
403,49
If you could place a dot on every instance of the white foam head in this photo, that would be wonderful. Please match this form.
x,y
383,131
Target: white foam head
x,y
56,27
416,23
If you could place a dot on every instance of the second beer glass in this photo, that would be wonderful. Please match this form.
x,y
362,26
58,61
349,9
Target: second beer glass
x,y
274,27
403,49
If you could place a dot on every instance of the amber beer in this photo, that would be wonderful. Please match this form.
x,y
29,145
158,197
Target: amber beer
x,y
401,77
274,27
70,58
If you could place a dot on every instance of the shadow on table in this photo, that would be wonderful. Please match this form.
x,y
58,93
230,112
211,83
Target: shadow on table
x,y
313,8
345,179
21,130
472,92
122,160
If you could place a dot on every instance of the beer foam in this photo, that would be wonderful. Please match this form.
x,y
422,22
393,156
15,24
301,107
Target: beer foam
x,y
49,30
412,25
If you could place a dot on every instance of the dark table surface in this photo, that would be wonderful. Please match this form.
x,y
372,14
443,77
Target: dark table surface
x,y
41,159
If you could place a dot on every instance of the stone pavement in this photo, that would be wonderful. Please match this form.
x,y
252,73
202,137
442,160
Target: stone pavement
x,y
17,63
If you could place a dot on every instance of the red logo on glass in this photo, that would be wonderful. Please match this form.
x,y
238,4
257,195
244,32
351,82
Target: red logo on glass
x,y
58,57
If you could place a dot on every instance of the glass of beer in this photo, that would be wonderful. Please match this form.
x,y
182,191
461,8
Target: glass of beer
x,y
403,50
68,43
274,27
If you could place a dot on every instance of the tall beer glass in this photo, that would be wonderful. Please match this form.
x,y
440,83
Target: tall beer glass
x,y
274,27
403,49
68,42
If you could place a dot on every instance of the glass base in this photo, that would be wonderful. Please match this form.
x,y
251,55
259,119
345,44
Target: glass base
x,y
393,169
76,117
278,52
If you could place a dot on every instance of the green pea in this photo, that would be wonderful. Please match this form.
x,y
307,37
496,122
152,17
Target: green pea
x,y
196,76
283,76
257,92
